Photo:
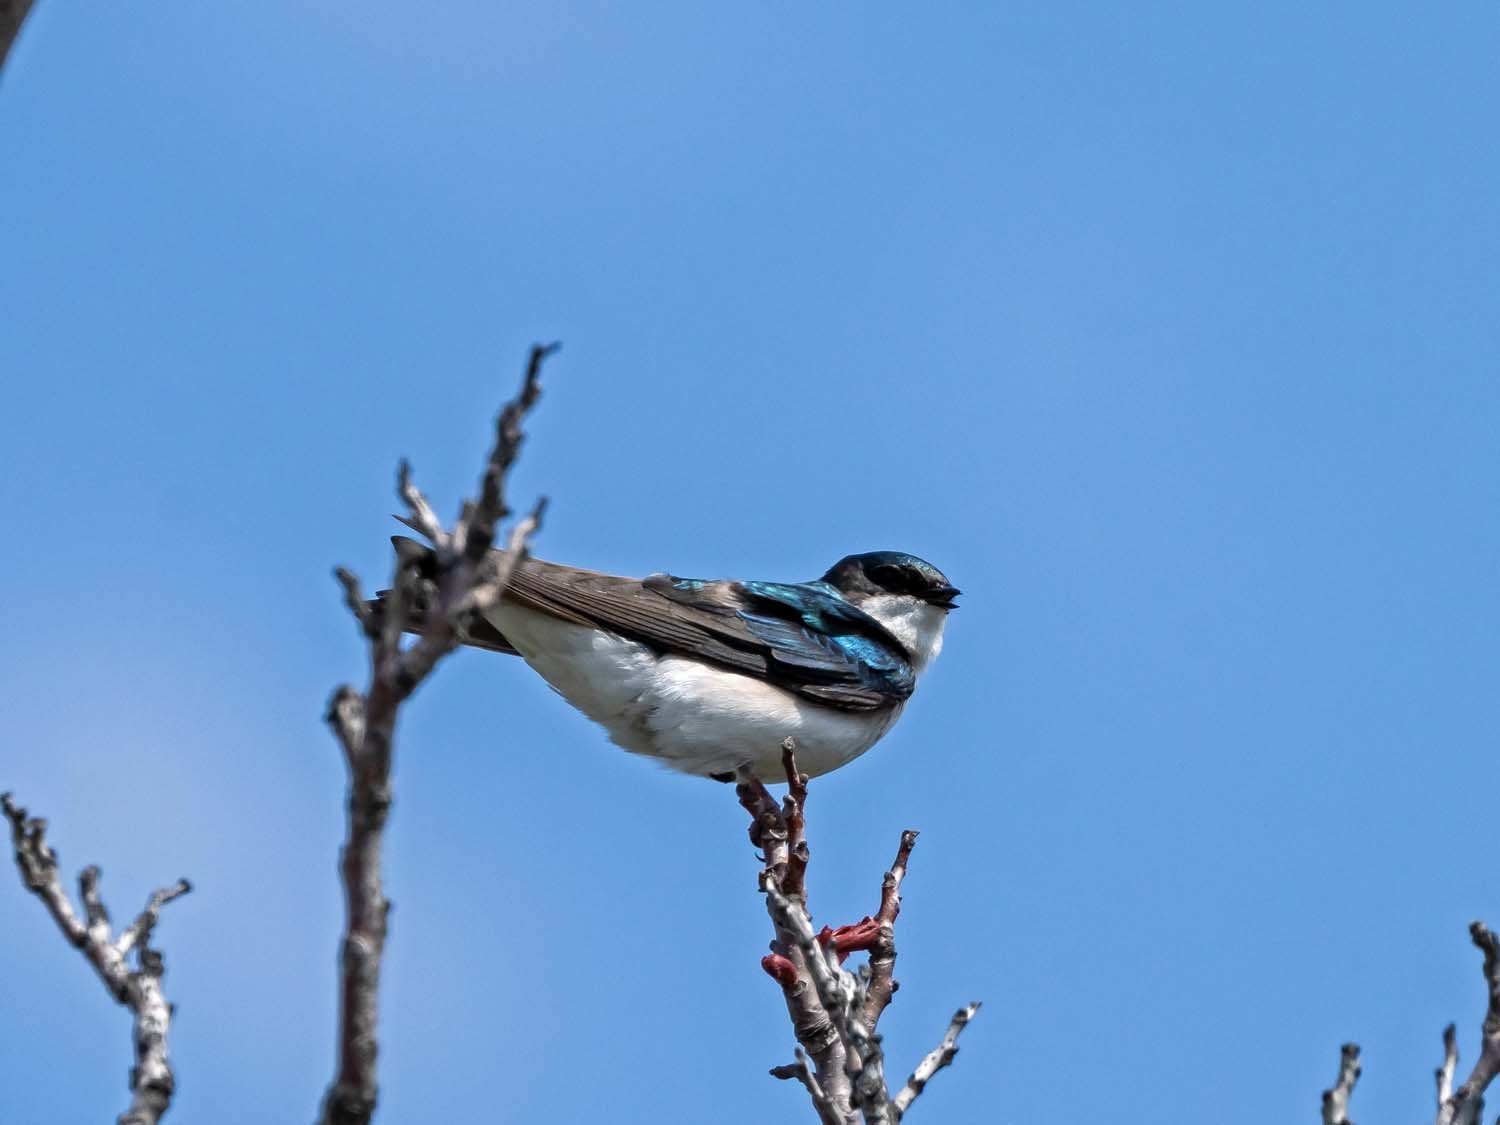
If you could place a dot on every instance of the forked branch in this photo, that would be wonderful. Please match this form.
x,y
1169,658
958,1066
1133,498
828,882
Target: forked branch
x,y
139,988
1465,1105
461,577
834,1012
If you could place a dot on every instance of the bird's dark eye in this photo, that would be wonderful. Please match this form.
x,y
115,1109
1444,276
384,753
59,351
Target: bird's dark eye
x,y
896,579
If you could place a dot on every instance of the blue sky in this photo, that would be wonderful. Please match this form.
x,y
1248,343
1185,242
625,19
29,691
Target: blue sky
x,y
1167,331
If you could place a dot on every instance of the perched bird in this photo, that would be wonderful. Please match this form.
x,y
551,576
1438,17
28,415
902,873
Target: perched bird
x,y
709,676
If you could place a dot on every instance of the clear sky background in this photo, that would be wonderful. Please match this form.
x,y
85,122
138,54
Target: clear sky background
x,y
1168,331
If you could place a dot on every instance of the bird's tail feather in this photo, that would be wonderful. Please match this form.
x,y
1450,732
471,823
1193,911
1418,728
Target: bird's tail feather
x,y
476,631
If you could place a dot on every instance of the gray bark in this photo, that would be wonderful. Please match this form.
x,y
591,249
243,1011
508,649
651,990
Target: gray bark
x,y
1464,1106
138,989
365,724
834,1012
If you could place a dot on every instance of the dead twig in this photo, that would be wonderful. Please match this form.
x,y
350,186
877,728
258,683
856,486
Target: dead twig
x,y
138,989
834,1012
463,576
1449,1068
1465,1106
1336,1099
940,1056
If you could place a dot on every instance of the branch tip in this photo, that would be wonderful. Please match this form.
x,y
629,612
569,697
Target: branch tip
x,y
939,1057
1444,1074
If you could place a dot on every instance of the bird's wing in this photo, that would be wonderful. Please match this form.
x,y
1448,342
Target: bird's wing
x,y
801,637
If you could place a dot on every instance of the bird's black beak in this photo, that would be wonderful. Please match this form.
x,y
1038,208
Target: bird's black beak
x,y
942,596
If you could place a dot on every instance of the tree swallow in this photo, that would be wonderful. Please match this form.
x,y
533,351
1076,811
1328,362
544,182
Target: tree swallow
x,y
709,676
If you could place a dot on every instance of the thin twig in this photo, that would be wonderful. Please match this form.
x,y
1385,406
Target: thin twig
x,y
354,596
794,808
1449,1068
1336,1099
1466,1105
422,517
828,1112
138,989
883,984
139,931
479,526
365,723
940,1056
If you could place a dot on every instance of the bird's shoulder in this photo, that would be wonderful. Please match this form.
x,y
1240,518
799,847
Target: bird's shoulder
x,y
809,630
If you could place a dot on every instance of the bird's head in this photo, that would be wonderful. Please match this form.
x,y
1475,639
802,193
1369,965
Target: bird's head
x,y
908,595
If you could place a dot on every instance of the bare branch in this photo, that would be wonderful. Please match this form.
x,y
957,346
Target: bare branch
x,y
794,811
815,997
138,989
422,518
365,723
38,866
12,16
1466,1105
346,715
787,962
883,984
1336,1100
93,906
354,597
768,827
834,1012
828,1113
490,508
139,931
1449,1068
940,1056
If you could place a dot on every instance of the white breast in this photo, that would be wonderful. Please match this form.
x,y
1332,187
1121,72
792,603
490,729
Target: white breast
x,y
692,716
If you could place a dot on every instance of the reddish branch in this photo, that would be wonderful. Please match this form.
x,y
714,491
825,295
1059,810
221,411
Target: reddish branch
x,y
834,1013
883,943
138,988
466,576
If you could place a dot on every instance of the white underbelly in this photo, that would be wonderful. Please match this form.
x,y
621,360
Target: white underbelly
x,y
693,717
